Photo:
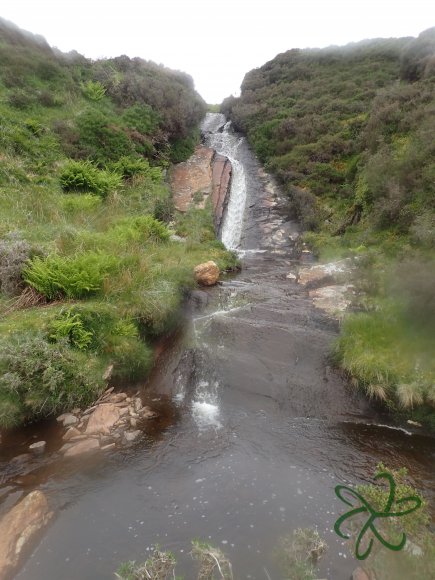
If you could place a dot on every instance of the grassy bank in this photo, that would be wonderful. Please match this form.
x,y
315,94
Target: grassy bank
x,y
348,133
89,276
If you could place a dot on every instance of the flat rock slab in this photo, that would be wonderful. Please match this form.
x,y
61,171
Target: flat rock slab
x,y
19,528
103,419
321,273
332,299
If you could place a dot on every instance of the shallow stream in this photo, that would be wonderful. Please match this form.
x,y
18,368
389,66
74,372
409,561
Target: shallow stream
x,y
255,428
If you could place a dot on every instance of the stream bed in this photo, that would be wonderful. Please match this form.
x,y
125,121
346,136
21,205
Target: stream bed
x,y
255,428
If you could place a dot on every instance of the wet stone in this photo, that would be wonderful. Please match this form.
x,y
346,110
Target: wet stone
x,y
38,448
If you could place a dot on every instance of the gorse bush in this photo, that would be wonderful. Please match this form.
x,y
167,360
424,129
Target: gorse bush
x,y
72,277
84,176
39,378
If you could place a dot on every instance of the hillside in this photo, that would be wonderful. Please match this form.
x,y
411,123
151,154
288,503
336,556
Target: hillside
x,y
89,276
348,132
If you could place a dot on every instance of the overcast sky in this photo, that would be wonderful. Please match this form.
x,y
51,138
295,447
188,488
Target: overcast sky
x,y
217,41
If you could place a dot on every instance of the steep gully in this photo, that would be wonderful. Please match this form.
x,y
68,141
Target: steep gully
x,y
254,429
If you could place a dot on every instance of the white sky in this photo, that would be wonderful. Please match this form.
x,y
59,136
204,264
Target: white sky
x,y
217,41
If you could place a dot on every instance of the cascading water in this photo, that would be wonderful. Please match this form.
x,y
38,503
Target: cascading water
x,y
219,136
204,389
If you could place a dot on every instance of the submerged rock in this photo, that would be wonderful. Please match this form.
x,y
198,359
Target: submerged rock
x,y
82,447
207,273
130,436
19,528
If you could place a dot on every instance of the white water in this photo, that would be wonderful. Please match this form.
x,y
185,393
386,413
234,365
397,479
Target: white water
x,y
220,137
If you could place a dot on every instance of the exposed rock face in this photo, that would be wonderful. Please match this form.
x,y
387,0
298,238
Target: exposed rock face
x,y
207,274
192,176
221,182
205,174
19,528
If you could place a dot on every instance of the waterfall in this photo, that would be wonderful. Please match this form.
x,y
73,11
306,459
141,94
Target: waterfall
x,y
219,136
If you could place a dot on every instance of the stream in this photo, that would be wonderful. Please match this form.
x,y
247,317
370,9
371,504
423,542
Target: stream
x,y
255,428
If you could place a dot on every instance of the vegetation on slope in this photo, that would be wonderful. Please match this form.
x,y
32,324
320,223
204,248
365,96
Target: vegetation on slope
x,y
349,134
88,273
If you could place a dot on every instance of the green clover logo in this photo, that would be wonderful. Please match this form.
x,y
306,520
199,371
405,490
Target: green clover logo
x,y
374,515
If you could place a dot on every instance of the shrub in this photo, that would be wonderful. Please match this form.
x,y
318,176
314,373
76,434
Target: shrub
x,y
164,209
101,137
70,325
14,254
40,379
141,118
84,176
73,277
93,90
130,166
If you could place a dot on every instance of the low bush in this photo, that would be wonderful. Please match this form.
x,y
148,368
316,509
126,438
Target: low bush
x,y
71,277
86,177
39,378
14,254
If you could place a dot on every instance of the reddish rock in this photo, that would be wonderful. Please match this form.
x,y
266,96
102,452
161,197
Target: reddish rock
x,y
103,419
192,176
207,274
71,433
206,173
19,529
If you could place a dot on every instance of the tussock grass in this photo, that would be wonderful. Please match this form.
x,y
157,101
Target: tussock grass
x,y
388,357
